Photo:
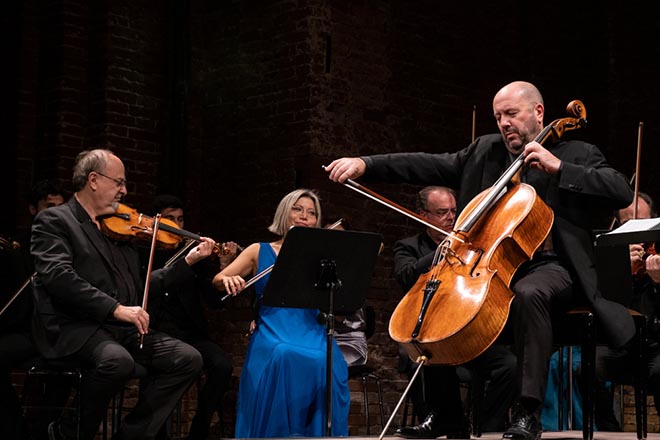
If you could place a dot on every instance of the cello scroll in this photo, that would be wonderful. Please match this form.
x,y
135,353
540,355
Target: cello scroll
x,y
556,129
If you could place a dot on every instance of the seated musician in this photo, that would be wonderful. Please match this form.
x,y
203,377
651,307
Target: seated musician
x,y
88,295
573,179
282,389
441,410
16,346
615,363
180,313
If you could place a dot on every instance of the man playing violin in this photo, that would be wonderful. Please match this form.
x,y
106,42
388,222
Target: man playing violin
x,y
615,363
88,296
574,180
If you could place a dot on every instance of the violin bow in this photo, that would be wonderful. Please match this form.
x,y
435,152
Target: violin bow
x,y
637,167
18,292
634,180
174,258
398,208
147,283
474,122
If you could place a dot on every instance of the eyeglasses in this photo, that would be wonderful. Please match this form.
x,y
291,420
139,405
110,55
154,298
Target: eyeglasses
x,y
299,210
441,212
118,182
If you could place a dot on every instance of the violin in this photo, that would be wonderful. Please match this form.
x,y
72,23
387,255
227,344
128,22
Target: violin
x,y
127,224
639,267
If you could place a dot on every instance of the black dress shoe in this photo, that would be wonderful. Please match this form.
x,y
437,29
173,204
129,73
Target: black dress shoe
x,y
524,426
431,428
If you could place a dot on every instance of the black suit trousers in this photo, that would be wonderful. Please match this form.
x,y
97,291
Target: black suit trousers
x,y
218,367
541,289
108,359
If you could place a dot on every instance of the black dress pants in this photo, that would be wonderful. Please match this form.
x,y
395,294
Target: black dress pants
x,y
541,289
108,360
218,367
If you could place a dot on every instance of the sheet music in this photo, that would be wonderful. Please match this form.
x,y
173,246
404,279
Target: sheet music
x,y
633,231
635,225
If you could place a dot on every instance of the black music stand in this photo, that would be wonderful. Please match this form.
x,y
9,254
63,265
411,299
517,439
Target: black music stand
x,y
633,231
314,261
612,254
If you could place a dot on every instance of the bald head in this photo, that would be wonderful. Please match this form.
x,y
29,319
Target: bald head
x,y
518,110
521,90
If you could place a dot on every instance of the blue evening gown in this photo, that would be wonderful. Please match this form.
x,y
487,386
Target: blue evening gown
x,y
282,390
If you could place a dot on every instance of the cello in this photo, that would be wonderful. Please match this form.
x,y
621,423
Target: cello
x,y
462,304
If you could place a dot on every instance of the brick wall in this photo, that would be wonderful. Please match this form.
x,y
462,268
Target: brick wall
x,y
232,104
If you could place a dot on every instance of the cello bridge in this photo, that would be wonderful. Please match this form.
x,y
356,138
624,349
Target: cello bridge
x,y
452,257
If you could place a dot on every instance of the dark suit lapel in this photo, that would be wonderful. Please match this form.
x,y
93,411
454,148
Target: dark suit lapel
x,y
495,164
91,231
133,265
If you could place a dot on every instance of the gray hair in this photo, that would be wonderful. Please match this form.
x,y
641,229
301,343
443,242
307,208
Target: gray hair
x,y
86,162
280,224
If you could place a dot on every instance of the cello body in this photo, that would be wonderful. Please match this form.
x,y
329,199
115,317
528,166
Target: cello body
x,y
455,311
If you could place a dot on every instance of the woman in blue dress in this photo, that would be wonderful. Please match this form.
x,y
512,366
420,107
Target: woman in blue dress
x,y
282,390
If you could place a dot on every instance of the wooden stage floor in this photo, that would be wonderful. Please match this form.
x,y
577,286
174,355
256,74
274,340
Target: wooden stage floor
x,y
550,435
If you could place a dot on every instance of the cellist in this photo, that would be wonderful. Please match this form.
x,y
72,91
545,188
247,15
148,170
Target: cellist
x,y
574,179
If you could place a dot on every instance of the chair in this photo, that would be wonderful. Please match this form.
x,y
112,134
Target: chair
x,y
578,327
42,367
366,373
117,404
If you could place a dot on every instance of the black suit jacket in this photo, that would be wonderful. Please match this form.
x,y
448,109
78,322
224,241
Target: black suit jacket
x,y
75,288
413,256
180,311
582,196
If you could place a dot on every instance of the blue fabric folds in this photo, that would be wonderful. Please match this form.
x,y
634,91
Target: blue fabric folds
x,y
282,390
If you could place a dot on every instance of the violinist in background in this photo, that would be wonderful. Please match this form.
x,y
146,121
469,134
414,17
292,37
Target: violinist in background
x,y
574,180
179,312
282,389
16,344
436,399
88,296
616,364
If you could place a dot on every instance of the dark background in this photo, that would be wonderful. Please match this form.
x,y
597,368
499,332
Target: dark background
x,y
232,104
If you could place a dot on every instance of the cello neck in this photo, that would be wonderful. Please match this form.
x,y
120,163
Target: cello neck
x,y
494,193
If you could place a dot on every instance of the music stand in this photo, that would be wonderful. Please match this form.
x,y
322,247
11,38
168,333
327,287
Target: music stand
x,y
313,261
633,231
615,280
612,254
